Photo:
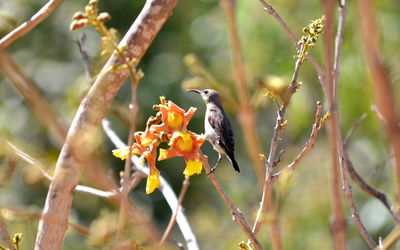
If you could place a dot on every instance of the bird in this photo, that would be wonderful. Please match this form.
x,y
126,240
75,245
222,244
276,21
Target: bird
x,y
218,128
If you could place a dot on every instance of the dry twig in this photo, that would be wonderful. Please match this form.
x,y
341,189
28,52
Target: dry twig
x,y
308,146
22,29
185,186
236,213
5,235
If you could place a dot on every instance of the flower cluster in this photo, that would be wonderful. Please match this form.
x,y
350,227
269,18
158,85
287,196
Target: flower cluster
x,y
312,31
169,125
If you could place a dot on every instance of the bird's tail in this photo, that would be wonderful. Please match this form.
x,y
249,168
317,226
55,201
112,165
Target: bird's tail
x,y
234,163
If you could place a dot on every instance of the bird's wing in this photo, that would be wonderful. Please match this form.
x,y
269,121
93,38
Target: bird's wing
x,y
219,122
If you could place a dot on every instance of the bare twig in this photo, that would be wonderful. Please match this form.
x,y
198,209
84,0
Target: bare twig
x,y
22,29
247,116
383,92
164,188
367,188
5,235
353,128
354,211
271,10
236,213
80,142
85,57
33,97
185,186
308,146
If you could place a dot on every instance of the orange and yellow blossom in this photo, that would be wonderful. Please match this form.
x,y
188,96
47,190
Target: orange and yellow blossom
x,y
186,144
145,146
173,117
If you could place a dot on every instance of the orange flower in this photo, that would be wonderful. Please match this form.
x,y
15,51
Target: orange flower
x,y
186,144
145,146
173,118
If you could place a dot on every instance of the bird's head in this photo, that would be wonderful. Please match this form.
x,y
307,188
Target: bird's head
x,y
208,95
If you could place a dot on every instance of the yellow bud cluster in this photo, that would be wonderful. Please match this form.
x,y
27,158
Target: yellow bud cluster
x,y
312,31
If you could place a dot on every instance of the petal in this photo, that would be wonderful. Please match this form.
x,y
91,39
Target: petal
x,y
188,115
173,107
121,153
168,153
193,167
153,182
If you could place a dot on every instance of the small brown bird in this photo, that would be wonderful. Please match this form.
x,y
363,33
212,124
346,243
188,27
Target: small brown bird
x,y
218,128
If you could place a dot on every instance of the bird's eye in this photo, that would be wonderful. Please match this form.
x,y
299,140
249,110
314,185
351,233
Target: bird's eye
x,y
206,92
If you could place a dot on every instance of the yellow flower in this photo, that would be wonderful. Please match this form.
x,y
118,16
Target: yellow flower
x,y
193,167
153,182
182,140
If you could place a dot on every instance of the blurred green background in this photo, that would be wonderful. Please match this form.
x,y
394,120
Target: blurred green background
x,y
49,56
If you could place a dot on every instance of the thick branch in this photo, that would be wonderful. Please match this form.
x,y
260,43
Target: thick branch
x,y
79,144
21,30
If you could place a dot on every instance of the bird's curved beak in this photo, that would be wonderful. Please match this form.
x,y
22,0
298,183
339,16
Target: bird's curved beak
x,y
194,90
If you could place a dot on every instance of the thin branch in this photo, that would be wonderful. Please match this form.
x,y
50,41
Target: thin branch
x,y
307,147
382,85
23,28
5,235
80,142
271,10
38,165
185,186
33,97
359,180
353,128
236,214
367,188
18,212
164,188
247,116
354,211
85,57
